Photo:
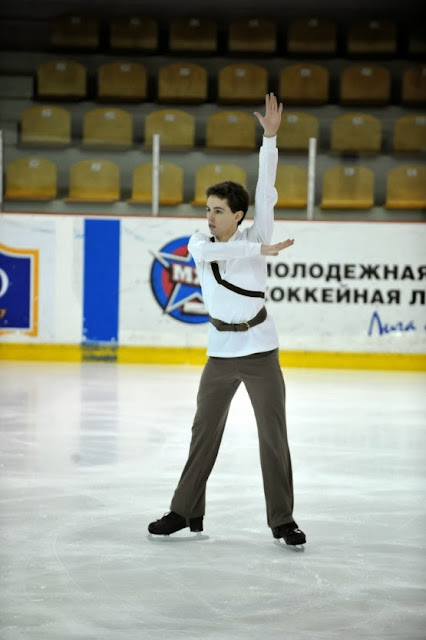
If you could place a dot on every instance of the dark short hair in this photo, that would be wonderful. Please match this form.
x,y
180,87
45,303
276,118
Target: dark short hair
x,y
235,194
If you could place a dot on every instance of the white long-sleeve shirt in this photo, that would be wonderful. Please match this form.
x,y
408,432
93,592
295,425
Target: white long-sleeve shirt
x,y
240,263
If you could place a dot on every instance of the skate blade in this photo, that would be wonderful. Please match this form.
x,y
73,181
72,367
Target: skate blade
x,y
175,538
299,548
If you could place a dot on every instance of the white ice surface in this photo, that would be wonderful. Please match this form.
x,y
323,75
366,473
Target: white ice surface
x,y
91,453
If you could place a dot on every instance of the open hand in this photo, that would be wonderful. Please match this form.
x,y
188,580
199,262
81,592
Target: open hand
x,y
274,249
272,119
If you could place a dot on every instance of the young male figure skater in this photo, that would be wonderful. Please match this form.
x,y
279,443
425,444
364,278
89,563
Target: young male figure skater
x,y
242,345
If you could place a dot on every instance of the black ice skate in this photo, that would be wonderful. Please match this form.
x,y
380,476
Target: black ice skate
x,y
291,533
172,522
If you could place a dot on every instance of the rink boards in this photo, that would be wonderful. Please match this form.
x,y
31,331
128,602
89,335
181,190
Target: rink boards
x,y
347,294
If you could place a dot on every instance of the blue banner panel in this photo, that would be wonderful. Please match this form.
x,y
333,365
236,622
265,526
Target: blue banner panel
x,y
15,289
101,280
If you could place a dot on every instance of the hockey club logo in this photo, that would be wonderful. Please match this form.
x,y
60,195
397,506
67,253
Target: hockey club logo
x,y
175,284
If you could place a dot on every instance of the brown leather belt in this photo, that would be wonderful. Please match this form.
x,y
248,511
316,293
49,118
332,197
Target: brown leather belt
x,y
241,326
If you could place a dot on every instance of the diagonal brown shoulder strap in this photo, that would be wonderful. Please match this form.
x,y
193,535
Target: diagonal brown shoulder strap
x,y
233,287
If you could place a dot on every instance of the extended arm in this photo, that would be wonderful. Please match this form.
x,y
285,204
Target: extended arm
x,y
202,250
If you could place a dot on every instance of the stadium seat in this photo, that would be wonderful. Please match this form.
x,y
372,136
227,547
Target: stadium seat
x,y
304,84
45,126
210,174
417,40
64,79
182,82
372,37
406,188
176,128
413,90
170,184
231,130
81,32
30,179
122,82
347,187
295,131
133,34
252,36
193,34
409,133
292,186
242,83
94,181
312,36
107,128
365,84
356,132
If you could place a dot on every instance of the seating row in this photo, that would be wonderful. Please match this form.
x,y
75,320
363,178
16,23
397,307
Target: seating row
x,y
258,35
241,83
109,127
343,186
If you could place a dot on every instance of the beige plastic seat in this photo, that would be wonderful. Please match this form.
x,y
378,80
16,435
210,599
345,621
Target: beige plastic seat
x,y
242,83
64,79
137,33
413,91
295,131
193,34
406,188
122,81
176,128
252,36
45,126
231,130
356,132
372,37
346,187
312,36
210,174
365,84
292,186
94,181
106,127
170,184
409,133
30,179
182,82
304,84
75,31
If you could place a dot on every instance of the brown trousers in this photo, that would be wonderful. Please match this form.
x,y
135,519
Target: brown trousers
x,y
263,379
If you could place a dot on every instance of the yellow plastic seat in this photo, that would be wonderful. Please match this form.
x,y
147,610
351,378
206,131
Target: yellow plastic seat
x,y
312,36
242,83
406,188
210,174
137,33
45,126
347,187
372,37
75,31
409,133
413,91
193,34
365,84
182,82
304,84
106,127
30,179
176,128
292,186
417,40
122,81
295,131
252,36
170,184
64,79
231,130
94,181
356,132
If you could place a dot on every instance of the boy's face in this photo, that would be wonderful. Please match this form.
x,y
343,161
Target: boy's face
x,y
221,220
